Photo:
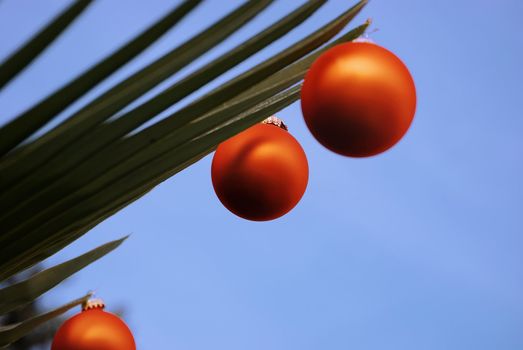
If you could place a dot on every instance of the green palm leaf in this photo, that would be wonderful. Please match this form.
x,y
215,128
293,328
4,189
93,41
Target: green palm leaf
x,y
34,118
15,63
106,160
57,187
84,147
11,333
22,293
29,158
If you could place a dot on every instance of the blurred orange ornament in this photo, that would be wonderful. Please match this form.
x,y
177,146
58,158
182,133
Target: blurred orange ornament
x,y
93,329
261,173
358,99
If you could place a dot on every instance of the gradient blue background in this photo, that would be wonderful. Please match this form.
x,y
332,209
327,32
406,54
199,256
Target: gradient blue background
x,y
419,248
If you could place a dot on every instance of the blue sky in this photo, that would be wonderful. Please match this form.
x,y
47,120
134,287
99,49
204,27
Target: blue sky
x,y
418,248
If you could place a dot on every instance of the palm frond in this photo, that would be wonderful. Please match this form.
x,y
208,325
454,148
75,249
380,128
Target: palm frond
x,y
75,153
15,63
13,332
55,188
60,192
30,121
23,162
24,292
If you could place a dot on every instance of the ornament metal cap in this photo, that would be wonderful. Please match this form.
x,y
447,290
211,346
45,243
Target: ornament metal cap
x,y
274,120
93,303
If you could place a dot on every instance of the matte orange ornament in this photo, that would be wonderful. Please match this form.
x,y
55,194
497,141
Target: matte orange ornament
x,y
94,329
358,99
261,173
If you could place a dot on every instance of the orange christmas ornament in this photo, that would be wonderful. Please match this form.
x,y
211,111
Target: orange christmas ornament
x,y
261,173
358,99
93,329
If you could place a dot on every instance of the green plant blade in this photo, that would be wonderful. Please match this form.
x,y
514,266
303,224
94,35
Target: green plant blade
x,y
49,249
106,160
11,333
246,100
276,83
15,63
299,68
22,163
246,80
24,292
20,128
91,142
129,121
102,206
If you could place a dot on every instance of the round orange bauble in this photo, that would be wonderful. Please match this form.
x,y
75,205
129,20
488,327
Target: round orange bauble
x,y
358,99
94,329
261,173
